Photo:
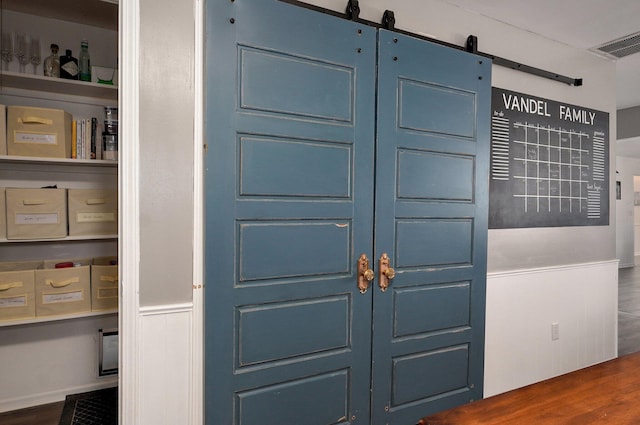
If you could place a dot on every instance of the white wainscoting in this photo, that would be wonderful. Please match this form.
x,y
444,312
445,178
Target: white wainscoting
x,y
166,362
521,308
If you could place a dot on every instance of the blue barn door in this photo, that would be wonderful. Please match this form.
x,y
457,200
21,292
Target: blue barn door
x,y
431,221
292,333
289,210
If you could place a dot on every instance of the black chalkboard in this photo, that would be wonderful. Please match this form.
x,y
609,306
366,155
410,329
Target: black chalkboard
x,y
549,163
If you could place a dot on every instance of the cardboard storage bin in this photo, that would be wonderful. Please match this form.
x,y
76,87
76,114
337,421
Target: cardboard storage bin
x,y
36,213
39,132
3,215
64,290
17,290
3,130
104,284
93,212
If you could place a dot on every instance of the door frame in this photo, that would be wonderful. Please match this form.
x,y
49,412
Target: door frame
x,y
129,198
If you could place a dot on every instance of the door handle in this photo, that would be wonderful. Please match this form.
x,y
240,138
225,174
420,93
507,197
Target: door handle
x,y
365,274
386,272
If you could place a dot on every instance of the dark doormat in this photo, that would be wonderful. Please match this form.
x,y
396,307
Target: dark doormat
x,y
91,408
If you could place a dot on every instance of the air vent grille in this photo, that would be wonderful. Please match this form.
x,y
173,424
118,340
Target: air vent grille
x,y
621,47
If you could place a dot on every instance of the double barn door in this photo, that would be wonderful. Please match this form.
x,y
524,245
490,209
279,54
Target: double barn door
x,y
331,144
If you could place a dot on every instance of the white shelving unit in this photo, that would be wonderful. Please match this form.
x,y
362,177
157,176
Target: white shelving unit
x,y
21,171
61,348
68,238
56,318
11,159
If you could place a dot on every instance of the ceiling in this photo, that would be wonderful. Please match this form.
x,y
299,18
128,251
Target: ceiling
x,y
584,24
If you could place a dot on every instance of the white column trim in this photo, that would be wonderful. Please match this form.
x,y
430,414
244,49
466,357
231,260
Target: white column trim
x,y
129,201
197,377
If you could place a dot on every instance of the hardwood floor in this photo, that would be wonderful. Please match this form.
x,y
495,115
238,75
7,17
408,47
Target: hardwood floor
x,y
47,414
606,393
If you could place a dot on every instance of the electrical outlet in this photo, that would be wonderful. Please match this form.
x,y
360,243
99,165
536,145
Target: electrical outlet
x,y
555,331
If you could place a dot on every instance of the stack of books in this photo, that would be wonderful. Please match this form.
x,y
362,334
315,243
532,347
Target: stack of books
x,y
84,131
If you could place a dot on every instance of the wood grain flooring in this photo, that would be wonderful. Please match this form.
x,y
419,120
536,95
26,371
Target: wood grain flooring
x,y
606,393
47,414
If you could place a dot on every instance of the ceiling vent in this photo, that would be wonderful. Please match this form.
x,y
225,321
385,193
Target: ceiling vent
x,y
624,46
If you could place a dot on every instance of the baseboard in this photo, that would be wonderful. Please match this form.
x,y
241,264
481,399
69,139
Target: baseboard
x,y
53,396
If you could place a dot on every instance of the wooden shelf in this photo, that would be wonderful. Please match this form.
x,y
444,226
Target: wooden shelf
x,y
56,240
40,83
55,318
11,159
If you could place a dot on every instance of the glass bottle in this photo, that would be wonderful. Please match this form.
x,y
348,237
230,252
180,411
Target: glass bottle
x,y
51,66
68,66
84,63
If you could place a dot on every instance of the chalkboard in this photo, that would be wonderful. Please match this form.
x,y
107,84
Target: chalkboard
x,y
549,163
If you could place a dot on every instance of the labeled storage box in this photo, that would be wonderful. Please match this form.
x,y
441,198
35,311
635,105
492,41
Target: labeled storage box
x,y
104,284
17,290
39,132
36,213
3,130
3,214
63,290
93,212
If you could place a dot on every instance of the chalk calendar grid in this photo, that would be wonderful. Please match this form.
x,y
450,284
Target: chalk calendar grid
x,y
549,167
549,163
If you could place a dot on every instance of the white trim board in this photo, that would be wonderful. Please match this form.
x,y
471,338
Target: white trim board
x,y
129,199
197,355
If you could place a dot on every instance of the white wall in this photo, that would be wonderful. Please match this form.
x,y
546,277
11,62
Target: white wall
x,y
625,242
636,215
44,362
166,148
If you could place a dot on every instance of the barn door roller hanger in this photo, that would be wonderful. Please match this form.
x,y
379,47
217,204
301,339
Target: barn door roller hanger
x,y
388,22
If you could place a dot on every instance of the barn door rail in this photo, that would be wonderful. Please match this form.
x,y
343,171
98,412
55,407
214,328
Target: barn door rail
x,y
388,22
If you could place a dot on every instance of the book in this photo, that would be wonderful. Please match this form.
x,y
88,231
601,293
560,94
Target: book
x,y
74,135
94,128
84,132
